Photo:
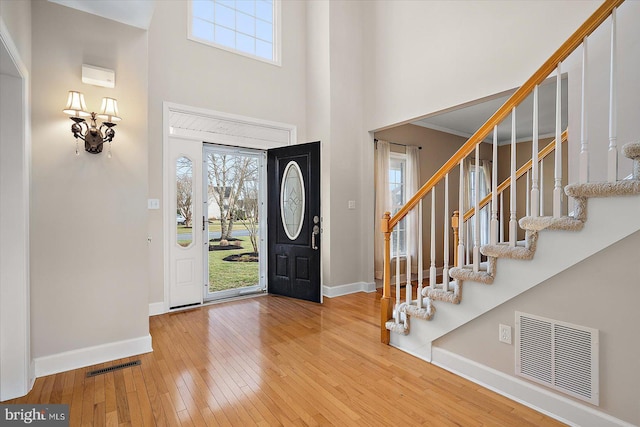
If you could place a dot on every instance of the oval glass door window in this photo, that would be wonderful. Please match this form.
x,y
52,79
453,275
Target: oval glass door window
x,y
184,202
292,200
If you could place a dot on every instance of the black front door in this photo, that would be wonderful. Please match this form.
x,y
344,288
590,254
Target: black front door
x,y
294,221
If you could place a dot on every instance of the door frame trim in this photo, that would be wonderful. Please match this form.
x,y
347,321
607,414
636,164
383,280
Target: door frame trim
x,y
18,309
265,142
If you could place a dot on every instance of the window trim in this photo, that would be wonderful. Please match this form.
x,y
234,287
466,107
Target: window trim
x,y
277,36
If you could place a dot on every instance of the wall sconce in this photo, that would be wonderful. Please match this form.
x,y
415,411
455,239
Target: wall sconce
x,y
93,136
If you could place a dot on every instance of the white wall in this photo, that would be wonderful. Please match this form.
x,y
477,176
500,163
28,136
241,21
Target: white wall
x,y
348,143
600,292
431,55
318,111
89,267
335,60
17,17
194,74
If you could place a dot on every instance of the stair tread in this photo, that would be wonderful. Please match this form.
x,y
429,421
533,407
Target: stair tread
x,y
506,251
624,187
539,223
398,328
463,273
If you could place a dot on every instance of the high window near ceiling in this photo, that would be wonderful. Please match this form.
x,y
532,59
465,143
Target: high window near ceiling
x,y
246,27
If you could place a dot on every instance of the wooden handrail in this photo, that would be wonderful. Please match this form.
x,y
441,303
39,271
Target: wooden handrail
x,y
521,171
589,26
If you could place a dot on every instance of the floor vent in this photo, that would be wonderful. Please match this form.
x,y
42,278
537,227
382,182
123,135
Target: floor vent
x,y
558,355
112,368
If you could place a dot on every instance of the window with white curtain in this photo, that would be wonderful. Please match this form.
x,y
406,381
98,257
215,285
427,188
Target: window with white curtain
x,y
482,188
398,194
247,27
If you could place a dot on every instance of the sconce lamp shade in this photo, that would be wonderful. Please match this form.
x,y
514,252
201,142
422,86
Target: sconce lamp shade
x,y
109,110
76,105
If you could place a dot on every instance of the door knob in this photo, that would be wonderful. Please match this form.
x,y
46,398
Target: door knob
x,y
314,233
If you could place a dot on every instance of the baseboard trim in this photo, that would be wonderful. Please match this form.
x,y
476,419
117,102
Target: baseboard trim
x,y
88,356
156,308
350,288
535,397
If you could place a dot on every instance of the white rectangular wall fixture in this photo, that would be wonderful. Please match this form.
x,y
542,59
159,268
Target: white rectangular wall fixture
x,y
558,355
98,76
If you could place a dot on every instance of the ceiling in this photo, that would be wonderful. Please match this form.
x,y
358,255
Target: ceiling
x,y
467,119
136,13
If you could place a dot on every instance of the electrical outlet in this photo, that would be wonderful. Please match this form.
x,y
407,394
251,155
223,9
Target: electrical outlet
x,y
352,204
505,334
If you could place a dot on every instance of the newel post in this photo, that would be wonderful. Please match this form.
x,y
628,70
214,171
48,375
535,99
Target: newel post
x,y
385,301
455,226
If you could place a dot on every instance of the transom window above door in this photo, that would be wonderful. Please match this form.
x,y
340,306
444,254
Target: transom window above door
x,y
246,27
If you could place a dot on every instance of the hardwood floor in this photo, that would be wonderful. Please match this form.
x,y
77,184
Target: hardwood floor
x,y
275,361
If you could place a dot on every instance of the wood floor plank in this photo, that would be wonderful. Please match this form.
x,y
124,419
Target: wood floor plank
x,y
99,414
75,409
87,402
99,394
146,411
274,361
135,413
122,403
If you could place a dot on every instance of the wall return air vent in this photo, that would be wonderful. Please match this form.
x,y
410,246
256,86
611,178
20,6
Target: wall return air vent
x,y
558,355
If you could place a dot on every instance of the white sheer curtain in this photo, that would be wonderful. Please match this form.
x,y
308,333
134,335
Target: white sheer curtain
x,y
485,214
382,203
483,186
412,186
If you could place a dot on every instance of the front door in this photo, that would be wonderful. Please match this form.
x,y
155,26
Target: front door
x,y
294,221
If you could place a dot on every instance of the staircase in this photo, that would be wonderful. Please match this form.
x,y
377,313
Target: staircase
x,y
493,273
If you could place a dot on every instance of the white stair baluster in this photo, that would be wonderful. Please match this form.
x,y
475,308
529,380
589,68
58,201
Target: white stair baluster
x,y
468,247
557,176
445,268
528,195
476,215
502,217
494,189
541,187
432,269
612,164
534,208
420,277
513,223
461,221
584,141
407,240
398,293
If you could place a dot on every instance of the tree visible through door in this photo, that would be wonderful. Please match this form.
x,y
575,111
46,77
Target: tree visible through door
x,y
234,203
